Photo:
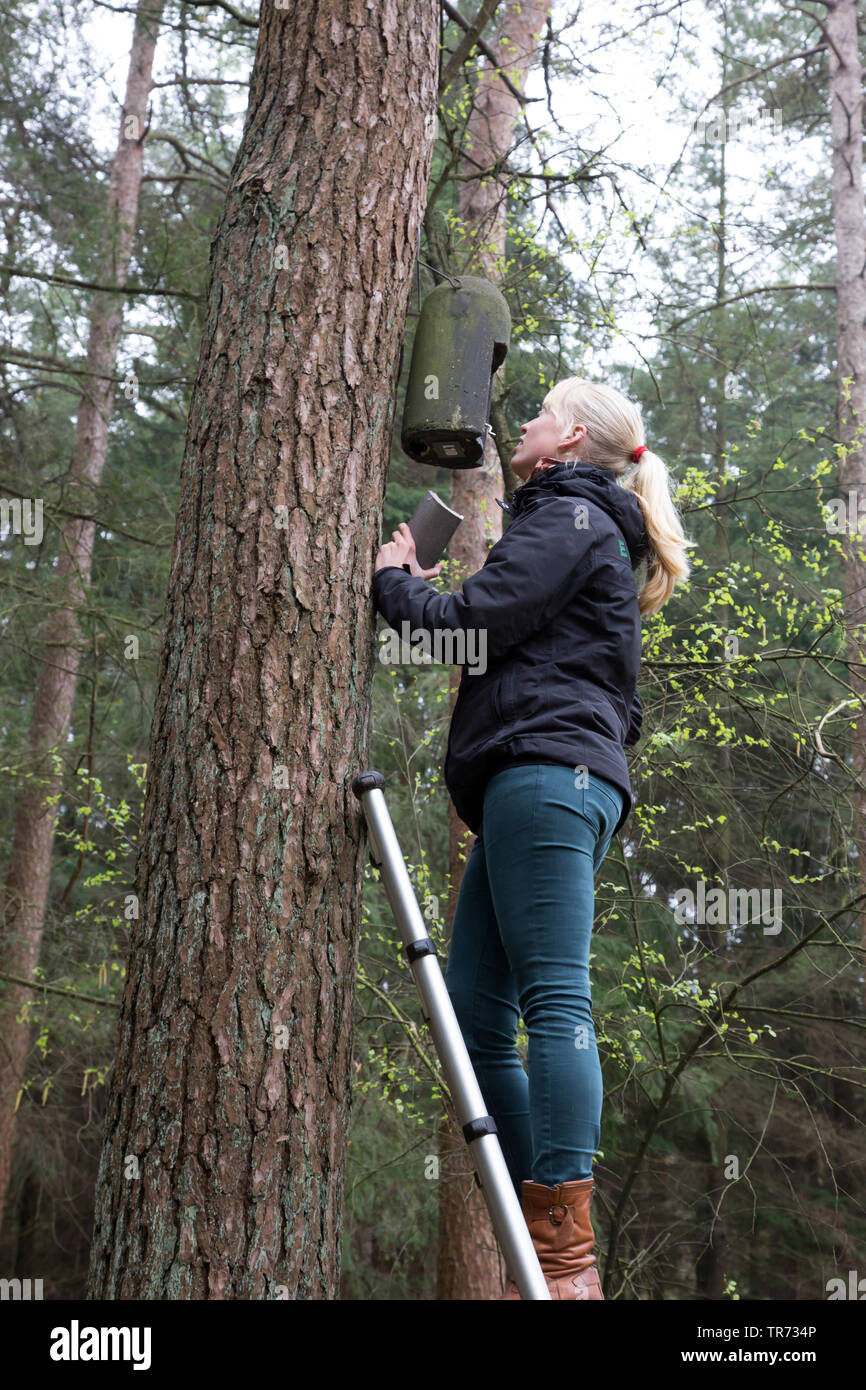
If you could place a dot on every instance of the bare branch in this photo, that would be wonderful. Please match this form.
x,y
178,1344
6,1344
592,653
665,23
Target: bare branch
x,y
24,274
744,294
488,52
468,42
185,151
229,9
55,989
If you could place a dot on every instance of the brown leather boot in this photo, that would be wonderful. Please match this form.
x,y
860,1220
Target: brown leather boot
x,y
558,1221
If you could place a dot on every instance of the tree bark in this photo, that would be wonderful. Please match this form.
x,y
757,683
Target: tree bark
x,y
469,1263
29,872
229,1106
846,126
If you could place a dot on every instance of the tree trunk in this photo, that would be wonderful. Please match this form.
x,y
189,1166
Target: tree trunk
x,y
29,872
846,124
221,1171
469,1264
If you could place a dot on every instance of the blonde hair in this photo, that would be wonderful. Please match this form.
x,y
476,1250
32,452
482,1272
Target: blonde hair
x,y
614,430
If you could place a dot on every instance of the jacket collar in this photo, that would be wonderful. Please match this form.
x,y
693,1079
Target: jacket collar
x,y
598,485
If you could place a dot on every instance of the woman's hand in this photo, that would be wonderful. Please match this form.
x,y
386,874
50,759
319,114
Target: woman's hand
x,y
400,550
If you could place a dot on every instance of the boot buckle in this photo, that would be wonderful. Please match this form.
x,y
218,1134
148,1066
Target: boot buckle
x,y
563,1208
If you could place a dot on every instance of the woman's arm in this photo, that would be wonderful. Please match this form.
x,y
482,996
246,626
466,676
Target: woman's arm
x,y
540,563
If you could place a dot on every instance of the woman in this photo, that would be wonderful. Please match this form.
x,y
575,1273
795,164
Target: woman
x,y
536,769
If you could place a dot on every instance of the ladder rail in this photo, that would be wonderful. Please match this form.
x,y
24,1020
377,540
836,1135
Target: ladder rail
x,y
479,1128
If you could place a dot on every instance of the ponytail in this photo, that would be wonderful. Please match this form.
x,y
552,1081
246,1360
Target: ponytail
x,y
614,433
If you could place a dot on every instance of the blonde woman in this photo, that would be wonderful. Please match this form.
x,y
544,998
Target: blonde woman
x,y
536,768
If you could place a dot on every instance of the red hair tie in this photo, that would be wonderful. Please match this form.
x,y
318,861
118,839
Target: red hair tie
x,y
641,449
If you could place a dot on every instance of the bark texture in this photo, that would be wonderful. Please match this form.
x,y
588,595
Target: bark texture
x,y
29,873
221,1174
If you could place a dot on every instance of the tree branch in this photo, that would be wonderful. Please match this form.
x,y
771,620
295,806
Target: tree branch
x,y
229,9
24,274
55,989
744,294
488,52
468,42
186,152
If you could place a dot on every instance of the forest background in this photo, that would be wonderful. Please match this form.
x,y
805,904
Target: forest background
x,y
671,223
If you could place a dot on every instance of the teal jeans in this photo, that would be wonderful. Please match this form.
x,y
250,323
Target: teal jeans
x,y
520,947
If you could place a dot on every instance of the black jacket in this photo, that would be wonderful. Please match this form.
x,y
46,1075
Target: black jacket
x,y
556,599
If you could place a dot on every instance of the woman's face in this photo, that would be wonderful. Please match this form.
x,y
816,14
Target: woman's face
x,y
541,439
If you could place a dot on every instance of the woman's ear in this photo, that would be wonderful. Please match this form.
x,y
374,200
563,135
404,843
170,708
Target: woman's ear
x,y
575,439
